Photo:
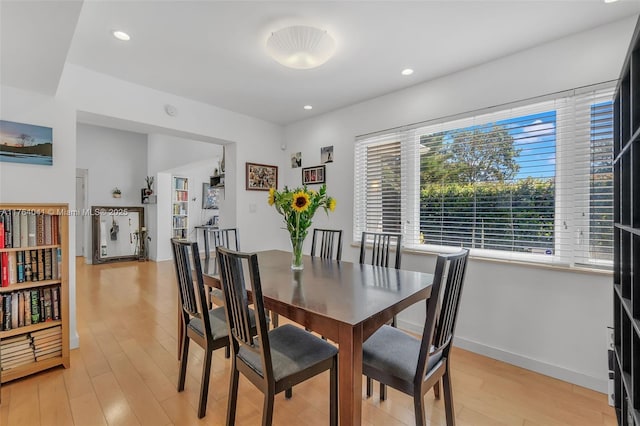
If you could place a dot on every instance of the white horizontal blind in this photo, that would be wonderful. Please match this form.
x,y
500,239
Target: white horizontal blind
x,y
530,181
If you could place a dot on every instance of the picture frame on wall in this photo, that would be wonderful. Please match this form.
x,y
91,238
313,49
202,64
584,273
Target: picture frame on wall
x,y
26,143
314,175
209,196
261,177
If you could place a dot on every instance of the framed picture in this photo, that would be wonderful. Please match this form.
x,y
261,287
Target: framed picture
x,y
326,154
313,175
296,160
261,177
209,196
26,143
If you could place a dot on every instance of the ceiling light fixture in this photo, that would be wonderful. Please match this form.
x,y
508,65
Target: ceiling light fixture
x,y
407,71
121,35
301,47
610,1
307,107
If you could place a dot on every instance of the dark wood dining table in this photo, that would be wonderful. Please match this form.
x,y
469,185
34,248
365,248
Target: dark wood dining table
x,y
342,301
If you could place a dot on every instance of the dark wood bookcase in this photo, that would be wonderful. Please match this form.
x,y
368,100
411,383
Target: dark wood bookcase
x,y
626,281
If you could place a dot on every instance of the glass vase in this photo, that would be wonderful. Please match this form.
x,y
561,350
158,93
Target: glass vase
x,y
296,253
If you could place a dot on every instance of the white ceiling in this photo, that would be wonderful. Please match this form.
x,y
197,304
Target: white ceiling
x,y
214,51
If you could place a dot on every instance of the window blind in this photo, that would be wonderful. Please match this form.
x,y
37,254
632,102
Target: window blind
x,y
529,181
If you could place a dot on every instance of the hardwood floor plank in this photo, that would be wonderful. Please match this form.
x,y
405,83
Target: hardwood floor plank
x,y
54,401
112,400
24,406
86,410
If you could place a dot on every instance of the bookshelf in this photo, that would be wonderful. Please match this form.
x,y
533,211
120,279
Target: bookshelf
x,y
179,207
626,239
34,288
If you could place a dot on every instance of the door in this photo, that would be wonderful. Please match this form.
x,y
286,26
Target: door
x,y
80,206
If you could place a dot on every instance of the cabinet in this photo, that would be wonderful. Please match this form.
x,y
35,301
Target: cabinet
x,y
626,279
180,207
34,259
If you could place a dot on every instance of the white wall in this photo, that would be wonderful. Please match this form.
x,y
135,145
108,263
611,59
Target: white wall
x,y
27,183
546,320
113,158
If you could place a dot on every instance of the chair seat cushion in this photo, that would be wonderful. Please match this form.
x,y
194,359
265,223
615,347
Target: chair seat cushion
x,y
292,350
218,322
395,352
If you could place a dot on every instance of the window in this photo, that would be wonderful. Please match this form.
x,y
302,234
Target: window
x,y
531,181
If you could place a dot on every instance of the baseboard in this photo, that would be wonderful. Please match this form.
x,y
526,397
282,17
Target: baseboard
x,y
564,374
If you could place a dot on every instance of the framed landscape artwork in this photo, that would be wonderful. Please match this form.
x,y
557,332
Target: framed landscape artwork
x,y
313,175
26,143
261,177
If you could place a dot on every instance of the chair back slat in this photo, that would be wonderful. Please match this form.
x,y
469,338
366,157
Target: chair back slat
x,y
191,292
227,238
382,245
330,243
442,309
232,278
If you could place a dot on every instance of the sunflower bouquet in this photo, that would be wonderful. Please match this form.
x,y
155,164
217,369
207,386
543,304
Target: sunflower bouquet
x,y
298,206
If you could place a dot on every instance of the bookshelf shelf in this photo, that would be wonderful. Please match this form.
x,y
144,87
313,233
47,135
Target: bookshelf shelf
x,y
39,245
29,328
28,285
179,207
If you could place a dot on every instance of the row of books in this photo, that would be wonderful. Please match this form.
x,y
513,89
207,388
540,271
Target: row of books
x,y
28,348
26,307
30,266
22,228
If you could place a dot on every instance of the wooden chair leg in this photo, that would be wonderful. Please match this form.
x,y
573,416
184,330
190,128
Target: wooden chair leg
x,y
288,393
204,386
233,394
369,386
436,390
227,351
184,356
274,319
418,406
267,413
448,398
383,392
333,396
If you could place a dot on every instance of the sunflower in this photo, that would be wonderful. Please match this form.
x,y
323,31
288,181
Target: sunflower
x,y
300,201
332,204
272,196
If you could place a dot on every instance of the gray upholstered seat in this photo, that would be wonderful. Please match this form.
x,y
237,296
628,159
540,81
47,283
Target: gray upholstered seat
x,y
395,352
218,322
292,350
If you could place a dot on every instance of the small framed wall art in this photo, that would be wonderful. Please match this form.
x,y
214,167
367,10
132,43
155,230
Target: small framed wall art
x,y
261,177
313,175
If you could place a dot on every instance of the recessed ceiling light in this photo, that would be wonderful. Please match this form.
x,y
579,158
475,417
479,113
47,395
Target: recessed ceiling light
x,y
407,71
307,107
610,1
121,35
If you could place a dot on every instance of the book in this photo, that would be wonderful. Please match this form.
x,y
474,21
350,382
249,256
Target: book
x,y
1,230
15,225
47,230
16,355
7,311
59,263
31,230
1,317
47,332
24,230
55,229
48,275
48,309
13,340
17,363
8,225
35,306
55,344
20,266
47,356
27,266
39,229
14,310
34,265
54,264
5,269
53,349
13,267
20,309
45,339
55,302
27,307
40,254
16,350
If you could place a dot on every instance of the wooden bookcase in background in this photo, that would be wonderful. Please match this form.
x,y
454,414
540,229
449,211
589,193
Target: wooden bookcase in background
x,y
60,210
179,207
626,238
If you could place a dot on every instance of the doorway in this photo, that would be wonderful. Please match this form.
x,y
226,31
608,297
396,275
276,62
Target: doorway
x,y
81,206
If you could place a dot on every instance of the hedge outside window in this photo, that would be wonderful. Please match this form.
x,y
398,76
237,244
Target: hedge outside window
x,y
530,181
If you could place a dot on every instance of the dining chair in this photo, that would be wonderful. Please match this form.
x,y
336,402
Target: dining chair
x,y
413,365
204,326
328,243
380,255
275,360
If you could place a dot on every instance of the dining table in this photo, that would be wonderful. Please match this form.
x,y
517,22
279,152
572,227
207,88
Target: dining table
x,y
342,301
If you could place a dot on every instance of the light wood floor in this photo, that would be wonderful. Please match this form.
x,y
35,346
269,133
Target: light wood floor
x,y
125,373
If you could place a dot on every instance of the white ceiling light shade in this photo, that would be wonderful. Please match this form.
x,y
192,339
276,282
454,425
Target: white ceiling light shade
x,y
121,35
307,107
407,71
301,47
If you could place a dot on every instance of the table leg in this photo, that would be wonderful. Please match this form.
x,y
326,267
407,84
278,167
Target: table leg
x,y
350,375
206,244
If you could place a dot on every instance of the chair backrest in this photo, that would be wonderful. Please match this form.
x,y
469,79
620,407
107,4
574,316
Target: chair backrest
x,y
381,248
442,312
330,243
232,277
227,238
191,294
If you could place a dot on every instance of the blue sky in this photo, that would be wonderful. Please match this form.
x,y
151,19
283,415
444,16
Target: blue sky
x,y
9,132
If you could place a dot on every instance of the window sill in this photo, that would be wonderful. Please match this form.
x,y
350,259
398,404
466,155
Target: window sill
x,y
530,261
